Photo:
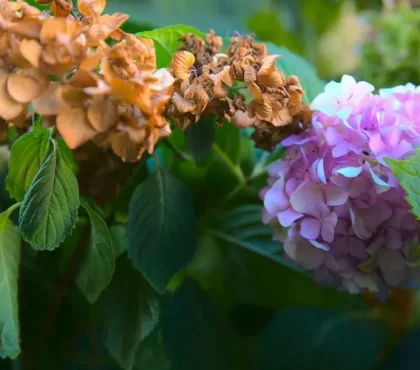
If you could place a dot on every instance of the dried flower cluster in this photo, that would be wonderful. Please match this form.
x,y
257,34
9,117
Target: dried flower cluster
x,y
203,78
111,94
334,200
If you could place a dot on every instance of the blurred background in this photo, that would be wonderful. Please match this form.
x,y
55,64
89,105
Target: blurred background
x,y
337,36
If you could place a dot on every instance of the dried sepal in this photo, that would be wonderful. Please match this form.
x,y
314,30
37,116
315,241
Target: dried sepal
x,y
183,105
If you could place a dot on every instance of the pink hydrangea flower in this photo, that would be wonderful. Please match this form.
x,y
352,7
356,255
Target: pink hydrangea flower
x,y
343,213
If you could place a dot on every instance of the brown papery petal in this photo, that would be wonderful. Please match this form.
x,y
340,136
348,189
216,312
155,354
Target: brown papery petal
x,y
190,92
91,8
181,104
124,148
137,135
61,8
31,50
9,108
29,28
114,21
48,102
102,114
255,91
73,126
50,29
262,110
249,74
241,120
268,73
23,88
201,98
281,118
293,83
165,80
181,62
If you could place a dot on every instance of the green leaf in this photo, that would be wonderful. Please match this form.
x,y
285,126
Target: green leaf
x,y
130,312
10,250
26,157
98,265
49,208
197,335
406,355
167,42
293,64
200,138
312,339
161,228
67,155
257,269
407,173
119,239
228,140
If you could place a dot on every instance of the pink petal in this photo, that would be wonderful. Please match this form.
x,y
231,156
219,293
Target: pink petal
x,y
331,219
307,193
287,217
376,144
276,200
304,254
393,266
393,238
336,196
340,149
327,231
310,228
333,136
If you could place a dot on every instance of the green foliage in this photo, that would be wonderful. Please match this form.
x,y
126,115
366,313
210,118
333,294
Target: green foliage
x,y
10,251
408,174
200,138
27,155
49,208
130,313
167,42
98,265
161,228
196,335
309,339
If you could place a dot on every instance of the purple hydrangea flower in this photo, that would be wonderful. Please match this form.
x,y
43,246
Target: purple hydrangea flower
x,y
334,202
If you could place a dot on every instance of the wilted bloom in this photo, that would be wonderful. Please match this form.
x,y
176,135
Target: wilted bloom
x,y
345,215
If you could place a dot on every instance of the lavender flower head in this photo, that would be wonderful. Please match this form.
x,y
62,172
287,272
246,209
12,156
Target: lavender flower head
x,y
333,200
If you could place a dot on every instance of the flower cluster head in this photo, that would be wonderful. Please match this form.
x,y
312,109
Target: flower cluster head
x,y
105,84
333,200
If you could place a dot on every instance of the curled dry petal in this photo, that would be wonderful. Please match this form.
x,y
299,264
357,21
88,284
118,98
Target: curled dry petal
x,y
9,108
137,134
183,105
255,91
181,62
102,114
201,98
269,74
91,8
249,74
73,126
30,28
31,50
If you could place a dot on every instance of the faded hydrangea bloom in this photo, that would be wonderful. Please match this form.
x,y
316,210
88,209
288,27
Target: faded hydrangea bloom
x,y
333,200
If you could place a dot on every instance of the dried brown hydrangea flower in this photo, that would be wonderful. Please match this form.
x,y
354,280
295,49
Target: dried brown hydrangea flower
x,y
112,94
204,77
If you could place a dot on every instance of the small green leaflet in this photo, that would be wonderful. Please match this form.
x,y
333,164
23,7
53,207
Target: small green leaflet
x,y
200,136
26,157
407,173
119,239
10,250
161,228
167,42
98,265
49,208
130,312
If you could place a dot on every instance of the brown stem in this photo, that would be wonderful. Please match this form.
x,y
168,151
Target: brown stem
x,y
61,292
